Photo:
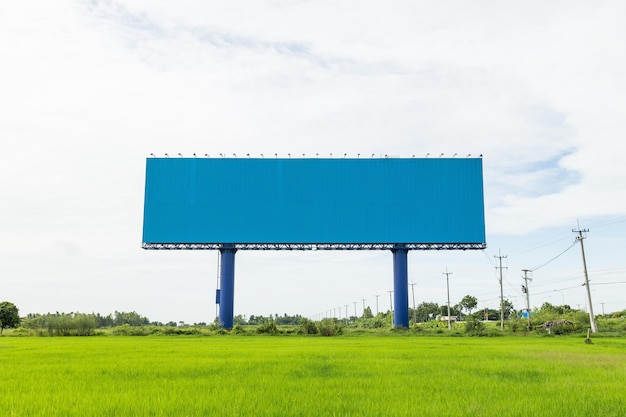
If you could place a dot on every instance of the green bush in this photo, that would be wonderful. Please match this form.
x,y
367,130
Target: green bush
x,y
474,326
307,327
238,329
267,327
329,327
128,330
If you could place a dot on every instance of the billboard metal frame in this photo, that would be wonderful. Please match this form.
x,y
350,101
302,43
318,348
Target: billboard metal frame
x,y
317,246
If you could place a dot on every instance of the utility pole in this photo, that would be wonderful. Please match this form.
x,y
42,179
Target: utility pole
x,y
363,299
377,295
346,314
500,257
580,238
414,310
354,302
447,274
525,291
391,305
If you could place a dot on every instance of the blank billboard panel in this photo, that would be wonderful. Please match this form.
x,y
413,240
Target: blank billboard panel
x,y
313,201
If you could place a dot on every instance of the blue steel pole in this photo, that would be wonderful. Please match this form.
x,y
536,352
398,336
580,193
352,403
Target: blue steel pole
x,y
401,288
227,287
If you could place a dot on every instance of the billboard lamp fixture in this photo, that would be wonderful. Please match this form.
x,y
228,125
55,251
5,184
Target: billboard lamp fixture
x,y
372,155
455,154
152,155
235,155
441,155
427,154
289,155
207,155
262,156
468,155
166,155
180,154
276,155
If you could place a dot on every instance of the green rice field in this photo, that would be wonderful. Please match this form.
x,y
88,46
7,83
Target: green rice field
x,y
371,375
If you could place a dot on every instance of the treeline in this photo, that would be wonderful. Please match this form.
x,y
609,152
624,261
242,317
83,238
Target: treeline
x,y
427,317
79,324
284,320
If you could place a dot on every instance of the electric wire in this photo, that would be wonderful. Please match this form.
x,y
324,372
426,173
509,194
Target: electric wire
x,y
553,259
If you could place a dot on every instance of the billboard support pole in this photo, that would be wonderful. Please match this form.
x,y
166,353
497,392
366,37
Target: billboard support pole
x,y
401,287
227,287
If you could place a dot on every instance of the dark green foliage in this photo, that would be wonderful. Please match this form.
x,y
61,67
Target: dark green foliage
x,y
238,329
473,326
132,319
128,330
9,315
307,327
61,324
424,312
329,327
468,303
267,327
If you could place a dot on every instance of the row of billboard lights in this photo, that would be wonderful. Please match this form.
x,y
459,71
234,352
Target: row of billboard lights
x,y
304,155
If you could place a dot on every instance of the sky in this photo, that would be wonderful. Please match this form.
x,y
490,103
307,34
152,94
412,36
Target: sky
x,y
89,89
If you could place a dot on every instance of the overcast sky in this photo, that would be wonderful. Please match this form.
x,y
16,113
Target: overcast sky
x,y
88,89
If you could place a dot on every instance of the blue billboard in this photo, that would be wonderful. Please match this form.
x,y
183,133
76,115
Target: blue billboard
x,y
223,201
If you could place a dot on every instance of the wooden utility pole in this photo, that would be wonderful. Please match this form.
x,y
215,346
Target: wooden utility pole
x,y
592,320
500,257
447,274
525,291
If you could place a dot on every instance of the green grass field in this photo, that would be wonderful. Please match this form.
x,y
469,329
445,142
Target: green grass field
x,y
374,375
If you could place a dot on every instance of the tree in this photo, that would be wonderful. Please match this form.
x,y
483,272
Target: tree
x,y
9,315
426,311
468,303
509,309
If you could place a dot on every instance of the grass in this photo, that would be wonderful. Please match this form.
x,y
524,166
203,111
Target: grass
x,y
365,375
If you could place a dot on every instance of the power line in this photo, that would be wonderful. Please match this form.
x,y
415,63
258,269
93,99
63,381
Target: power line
x,y
557,256
609,222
